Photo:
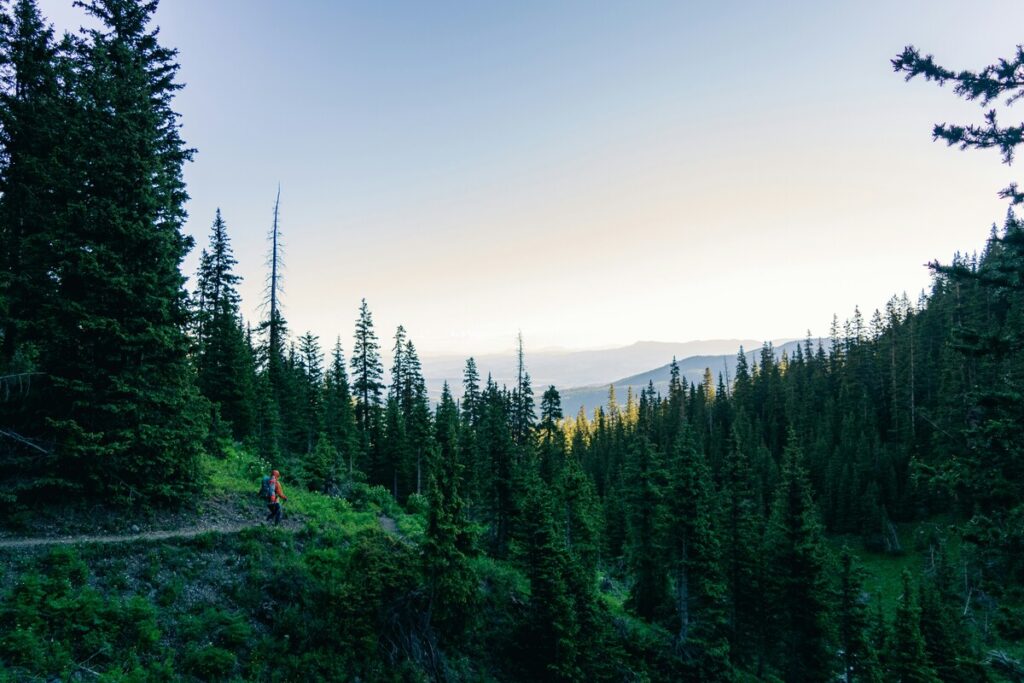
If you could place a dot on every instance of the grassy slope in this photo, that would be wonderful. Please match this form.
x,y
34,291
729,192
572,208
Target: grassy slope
x,y
73,607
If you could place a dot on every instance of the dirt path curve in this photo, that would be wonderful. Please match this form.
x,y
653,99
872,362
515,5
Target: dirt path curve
x,y
126,538
390,526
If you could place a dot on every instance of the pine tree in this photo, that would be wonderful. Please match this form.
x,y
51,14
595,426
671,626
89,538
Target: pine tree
x,y
471,394
124,409
859,659
799,593
450,580
471,410
39,172
497,470
312,378
523,416
990,469
32,105
907,660
741,533
551,446
550,638
416,406
700,592
647,554
367,372
224,365
339,416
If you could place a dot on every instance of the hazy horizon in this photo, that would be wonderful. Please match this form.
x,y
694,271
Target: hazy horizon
x,y
589,174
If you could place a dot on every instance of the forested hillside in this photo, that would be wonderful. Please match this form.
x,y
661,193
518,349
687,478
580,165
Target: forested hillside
x,y
739,528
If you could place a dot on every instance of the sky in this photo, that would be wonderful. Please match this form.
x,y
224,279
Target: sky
x,y
588,173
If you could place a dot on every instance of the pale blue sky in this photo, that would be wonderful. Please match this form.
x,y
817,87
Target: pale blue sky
x,y
589,173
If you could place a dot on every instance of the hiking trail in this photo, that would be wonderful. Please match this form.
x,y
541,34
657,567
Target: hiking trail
x,y
387,523
127,538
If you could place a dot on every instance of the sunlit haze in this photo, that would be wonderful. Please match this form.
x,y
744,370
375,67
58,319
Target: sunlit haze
x,y
590,174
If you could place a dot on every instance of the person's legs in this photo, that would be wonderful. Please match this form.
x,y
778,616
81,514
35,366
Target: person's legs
x,y
278,514
271,512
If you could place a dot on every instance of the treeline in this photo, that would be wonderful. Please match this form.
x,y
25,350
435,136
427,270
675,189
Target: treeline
x,y
711,503
708,507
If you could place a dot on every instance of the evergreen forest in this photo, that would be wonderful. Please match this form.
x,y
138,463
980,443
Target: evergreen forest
x,y
853,511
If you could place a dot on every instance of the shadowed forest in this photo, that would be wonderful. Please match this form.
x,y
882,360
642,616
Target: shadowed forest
x,y
853,511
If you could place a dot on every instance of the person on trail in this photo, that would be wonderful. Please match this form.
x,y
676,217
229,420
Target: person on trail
x,y
276,496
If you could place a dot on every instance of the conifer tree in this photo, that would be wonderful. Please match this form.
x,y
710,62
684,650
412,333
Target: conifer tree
x,y
38,173
647,555
416,408
551,446
124,409
497,467
450,580
799,593
224,364
700,592
990,468
523,416
907,660
367,372
311,378
741,533
582,516
339,417
471,408
551,632
859,659
471,394
33,102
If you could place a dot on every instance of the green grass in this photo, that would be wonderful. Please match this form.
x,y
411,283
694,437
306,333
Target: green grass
x,y
884,571
239,474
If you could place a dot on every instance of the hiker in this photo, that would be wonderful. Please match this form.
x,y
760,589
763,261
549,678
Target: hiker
x,y
274,494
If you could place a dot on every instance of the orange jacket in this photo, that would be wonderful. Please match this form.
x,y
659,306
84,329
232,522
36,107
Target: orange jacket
x,y
278,492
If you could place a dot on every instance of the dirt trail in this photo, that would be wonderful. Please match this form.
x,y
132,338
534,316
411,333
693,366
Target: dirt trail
x,y
126,538
387,524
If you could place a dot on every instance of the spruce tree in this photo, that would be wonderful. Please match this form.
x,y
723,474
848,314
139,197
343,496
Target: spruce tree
x,y
450,580
367,385
907,660
859,659
339,416
39,172
124,408
497,468
795,552
550,637
551,446
523,416
741,534
224,366
700,591
645,509
989,470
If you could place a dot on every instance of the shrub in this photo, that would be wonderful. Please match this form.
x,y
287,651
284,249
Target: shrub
x,y
209,663
417,504
364,497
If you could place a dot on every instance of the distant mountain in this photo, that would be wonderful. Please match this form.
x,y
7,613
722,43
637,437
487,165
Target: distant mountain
x,y
575,368
692,370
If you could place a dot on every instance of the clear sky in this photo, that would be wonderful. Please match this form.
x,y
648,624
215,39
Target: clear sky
x,y
589,173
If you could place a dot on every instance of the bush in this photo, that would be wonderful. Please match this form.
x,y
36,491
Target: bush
x,y
209,663
57,621
417,504
367,498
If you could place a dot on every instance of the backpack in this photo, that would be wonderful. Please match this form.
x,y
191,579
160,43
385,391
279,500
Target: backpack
x,y
266,489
